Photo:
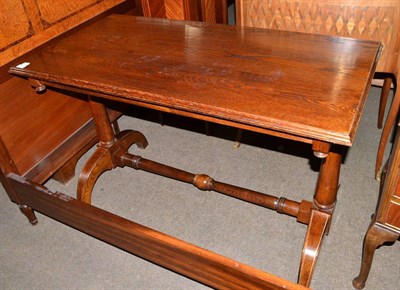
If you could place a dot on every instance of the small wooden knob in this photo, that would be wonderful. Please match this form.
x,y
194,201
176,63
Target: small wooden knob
x,y
202,181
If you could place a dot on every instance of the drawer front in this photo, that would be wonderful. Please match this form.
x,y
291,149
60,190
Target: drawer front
x,y
393,216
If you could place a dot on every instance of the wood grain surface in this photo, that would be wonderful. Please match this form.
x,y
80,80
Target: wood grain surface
x,y
306,85
363,19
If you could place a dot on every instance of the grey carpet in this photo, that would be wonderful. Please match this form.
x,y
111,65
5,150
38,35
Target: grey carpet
x,y
54,256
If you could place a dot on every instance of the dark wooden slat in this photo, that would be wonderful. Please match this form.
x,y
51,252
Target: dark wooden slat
x,y
194,262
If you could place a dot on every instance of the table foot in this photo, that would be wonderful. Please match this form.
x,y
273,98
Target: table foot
x,y
375,237
99,162
315,233
29,213
106,158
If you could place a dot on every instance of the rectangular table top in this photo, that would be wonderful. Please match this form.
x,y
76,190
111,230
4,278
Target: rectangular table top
x,y
306,85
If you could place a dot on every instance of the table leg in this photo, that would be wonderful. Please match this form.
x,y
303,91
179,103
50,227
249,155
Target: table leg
x,y
315,233
324,204
97,164
109,149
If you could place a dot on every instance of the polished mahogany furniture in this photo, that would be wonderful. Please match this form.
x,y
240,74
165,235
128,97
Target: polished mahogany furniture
x,y
363,19
385,226
228,75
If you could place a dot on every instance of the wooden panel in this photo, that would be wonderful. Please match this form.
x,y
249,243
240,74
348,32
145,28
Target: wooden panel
x,y
14,13
153,8
393,216
397,190
364,19
389,204
171,9
26,24
53,11
25,119
178,9
214,11
41,132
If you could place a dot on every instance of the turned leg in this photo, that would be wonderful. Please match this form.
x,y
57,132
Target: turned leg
x,y
375,237
238,138
108,152
101,160
8,166
29,213
328,182
324,204
387,83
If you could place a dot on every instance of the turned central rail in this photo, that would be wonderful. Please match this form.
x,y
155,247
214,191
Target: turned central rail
x,y
300,210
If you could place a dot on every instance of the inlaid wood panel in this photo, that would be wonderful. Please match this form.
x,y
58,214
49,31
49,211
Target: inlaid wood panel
x,y
364,19
22,27
50,16
171,9
393,216
214,11
26,24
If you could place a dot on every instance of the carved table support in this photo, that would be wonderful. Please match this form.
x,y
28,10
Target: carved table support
x,y
315,233
106,158
99,162
109,144
113,149
324,204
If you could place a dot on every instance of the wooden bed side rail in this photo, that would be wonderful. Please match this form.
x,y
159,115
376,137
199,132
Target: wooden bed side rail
x,y
189,260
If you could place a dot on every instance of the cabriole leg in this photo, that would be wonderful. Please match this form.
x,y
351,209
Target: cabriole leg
x,y
375,237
